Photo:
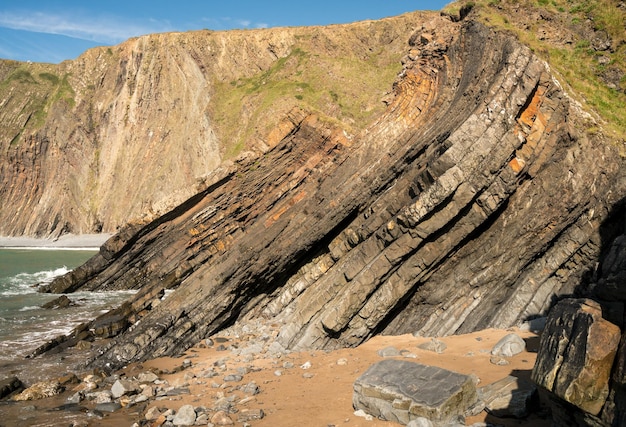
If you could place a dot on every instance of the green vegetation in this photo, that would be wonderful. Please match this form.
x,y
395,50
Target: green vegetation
x,y
348,88
577,64
37,88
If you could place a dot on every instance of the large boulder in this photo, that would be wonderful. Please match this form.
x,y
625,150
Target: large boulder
x,y
576,353
401,391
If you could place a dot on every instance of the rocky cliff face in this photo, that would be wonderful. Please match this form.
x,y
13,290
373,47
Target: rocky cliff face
x,y
472,201
123,134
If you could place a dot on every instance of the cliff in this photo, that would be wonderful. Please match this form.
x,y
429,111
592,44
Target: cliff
x,y
123,134
473,200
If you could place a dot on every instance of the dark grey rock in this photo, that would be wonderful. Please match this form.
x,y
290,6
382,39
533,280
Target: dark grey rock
x,y
400,391
108,407
10,385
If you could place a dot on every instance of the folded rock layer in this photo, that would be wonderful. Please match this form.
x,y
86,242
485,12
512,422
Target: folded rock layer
x,y
470,203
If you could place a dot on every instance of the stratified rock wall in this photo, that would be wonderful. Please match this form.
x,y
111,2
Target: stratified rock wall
x,y
473,201
123,134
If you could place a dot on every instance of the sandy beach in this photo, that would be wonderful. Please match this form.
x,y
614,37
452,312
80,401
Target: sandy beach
x,y
305,388
67,241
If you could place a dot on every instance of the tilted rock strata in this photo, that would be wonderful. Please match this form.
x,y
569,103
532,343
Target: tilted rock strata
x,y
470,203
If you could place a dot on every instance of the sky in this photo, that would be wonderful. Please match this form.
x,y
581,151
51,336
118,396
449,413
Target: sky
x,y
52,30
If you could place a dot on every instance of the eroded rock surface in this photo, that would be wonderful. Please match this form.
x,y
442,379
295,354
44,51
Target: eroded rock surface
x,y
400,391
472,202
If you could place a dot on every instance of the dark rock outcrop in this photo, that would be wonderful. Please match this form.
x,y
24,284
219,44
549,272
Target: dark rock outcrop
x,y
472,202
582,357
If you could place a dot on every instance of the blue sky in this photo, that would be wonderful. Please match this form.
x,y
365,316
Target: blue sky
x,y
51,31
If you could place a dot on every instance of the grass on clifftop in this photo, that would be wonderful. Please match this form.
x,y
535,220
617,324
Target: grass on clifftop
x,y
347,90
571,36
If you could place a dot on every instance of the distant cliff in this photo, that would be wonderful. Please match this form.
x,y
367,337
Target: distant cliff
x,y
125,133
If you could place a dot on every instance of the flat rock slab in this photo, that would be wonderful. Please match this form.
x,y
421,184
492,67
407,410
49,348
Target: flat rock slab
x,y
400,391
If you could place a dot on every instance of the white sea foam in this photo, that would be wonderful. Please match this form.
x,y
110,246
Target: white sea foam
x,y
26,283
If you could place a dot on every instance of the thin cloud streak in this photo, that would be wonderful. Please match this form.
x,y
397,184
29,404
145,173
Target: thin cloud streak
x,y
101,29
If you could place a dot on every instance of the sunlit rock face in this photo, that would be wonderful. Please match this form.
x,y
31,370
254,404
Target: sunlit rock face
x,y
472,200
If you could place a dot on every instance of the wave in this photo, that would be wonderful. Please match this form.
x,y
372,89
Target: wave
x,y
26,283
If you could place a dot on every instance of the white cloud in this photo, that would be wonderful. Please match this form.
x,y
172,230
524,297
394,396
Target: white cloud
x,y
104,29
227,23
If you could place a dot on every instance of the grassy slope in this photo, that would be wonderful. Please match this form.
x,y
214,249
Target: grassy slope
x,y
574,57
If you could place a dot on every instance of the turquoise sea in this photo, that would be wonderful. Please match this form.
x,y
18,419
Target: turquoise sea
x,y
24,325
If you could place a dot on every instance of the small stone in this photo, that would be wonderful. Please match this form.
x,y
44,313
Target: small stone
x,y
250,414
306,365
108,407
251,389
342,362
499,361
152,413
147,377
233,378
124,387
186,416
100,396
288,365
221,418
388,352
278,372
435,345
76,397
308,375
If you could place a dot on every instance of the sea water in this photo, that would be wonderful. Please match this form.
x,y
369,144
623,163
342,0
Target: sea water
x,y
24,325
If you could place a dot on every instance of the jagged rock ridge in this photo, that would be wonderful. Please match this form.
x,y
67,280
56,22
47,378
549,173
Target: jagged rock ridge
x,y
471,202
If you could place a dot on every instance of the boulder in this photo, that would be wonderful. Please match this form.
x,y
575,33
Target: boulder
x,y
576,353
61,302
400,391
509,346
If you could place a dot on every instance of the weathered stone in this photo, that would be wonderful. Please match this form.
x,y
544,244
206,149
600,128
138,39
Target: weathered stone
x,y
10,385
61,302
509,397
576,354
434,345
186,416
147,377
509,345
40,390
124,387
221,418
250,414
388,352
108,407
401,391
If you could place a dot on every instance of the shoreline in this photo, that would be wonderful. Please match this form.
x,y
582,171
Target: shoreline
x,y
65,242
